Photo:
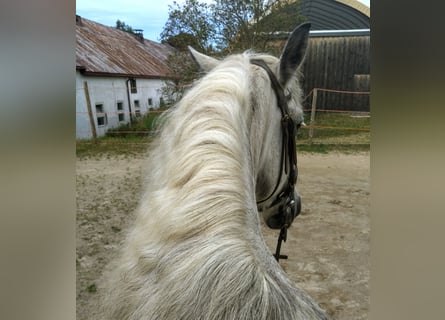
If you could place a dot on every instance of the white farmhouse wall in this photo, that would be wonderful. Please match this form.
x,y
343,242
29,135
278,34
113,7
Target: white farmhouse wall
x,y
109,92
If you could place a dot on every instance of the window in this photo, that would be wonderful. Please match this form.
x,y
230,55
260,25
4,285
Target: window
x,y
133,88
101,116
137,108
150,102
120,111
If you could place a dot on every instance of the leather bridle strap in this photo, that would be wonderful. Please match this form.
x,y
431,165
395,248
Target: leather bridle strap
x,y
288,159
288,154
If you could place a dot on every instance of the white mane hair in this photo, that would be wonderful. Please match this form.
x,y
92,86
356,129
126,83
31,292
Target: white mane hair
x,y
195,250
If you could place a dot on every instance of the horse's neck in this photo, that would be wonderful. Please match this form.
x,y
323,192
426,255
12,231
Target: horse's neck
x,y
202,169
201,206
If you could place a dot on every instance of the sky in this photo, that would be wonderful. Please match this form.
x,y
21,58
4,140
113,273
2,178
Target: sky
x,y
148,15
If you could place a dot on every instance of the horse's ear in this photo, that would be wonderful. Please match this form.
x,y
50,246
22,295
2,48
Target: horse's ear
x,y
293,52
206,63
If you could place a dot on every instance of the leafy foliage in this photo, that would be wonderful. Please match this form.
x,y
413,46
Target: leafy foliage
x,y
124,27
189,22
229,25
251,24
220,28
185,68
283,16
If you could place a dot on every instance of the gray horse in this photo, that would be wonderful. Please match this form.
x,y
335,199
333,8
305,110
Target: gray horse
x,y
196,250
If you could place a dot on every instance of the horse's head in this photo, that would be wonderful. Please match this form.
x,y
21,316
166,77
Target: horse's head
x,y
278,200
276,115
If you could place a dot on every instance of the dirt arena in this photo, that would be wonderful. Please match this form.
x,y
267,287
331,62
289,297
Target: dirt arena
x,y
328,244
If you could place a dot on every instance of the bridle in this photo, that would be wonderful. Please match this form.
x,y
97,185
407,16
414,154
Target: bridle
x,y
289,210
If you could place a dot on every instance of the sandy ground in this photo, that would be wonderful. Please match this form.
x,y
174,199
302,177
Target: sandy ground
x,y
328,244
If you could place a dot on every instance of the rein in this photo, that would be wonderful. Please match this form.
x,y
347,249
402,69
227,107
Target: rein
x,y
288,159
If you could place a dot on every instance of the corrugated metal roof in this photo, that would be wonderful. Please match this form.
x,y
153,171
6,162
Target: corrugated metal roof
x,y
102,50
335,15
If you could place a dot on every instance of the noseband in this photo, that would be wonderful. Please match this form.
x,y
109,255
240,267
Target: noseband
x,y
289,210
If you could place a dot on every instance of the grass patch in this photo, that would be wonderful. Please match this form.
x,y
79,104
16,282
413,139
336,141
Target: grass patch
x,y
92,288
326,148
337,125
143,126
340,136
124,140
343,132
127,146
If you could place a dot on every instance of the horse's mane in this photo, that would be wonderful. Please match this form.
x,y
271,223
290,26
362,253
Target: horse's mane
x,y
198,153
189,254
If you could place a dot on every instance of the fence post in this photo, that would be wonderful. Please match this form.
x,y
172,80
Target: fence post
x,y
314,107
90,112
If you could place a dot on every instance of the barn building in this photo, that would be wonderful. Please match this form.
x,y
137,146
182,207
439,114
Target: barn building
x,y
118,77
338,56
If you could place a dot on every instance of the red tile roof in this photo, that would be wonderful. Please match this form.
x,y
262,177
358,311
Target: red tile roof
x,y
102,50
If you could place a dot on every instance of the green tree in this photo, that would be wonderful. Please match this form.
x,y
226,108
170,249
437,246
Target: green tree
x,y
253,24
282,16
235,22
123,26
185,71
222,27
225,26
188,24
192,20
